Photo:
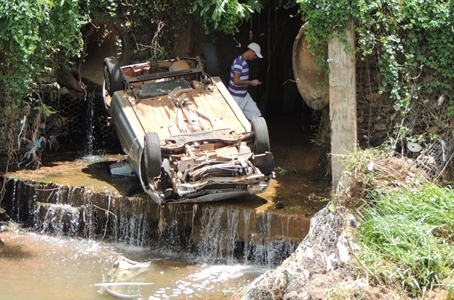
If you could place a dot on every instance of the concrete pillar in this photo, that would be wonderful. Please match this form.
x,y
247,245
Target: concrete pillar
x,y
342,99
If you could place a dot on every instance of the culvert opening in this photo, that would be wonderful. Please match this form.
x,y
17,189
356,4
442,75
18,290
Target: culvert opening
x,y
102,38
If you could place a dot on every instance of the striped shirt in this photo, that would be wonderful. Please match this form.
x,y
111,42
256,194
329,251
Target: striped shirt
x,y
239,65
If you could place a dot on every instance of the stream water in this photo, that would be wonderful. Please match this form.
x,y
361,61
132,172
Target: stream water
x,y
231,244
35,266
236,241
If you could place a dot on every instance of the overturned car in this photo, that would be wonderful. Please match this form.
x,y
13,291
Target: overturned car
x,y
185,137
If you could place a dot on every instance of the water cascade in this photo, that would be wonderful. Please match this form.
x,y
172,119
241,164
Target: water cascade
x,y
58,219
217,233
231,235
89,119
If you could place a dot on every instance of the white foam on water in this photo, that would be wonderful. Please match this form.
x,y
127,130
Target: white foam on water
x,y
64,267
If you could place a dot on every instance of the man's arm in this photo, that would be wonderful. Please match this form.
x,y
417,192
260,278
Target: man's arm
x,y
238,81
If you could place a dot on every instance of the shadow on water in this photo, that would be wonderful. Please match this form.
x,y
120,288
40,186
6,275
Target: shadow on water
x,y
301,185
99,171
14,252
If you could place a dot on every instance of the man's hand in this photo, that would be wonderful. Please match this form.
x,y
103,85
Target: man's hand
x,y
237,81
255,82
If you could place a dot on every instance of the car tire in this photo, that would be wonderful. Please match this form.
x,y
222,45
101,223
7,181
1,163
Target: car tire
x,y
152,153
211,61
112,76
262,140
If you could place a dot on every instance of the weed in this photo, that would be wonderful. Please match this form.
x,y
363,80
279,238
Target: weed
x,y
408,236
295,208
292,170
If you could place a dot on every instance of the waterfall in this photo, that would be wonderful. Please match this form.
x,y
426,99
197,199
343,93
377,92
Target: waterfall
x,y
220,240
210,237
16,204
58,219
231,235
247,241
215,233
90,128
270,244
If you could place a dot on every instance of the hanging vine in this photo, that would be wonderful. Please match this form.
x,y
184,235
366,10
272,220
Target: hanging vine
x,y
412,42
410,38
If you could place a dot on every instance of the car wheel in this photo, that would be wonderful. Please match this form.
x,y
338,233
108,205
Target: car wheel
x,y
112,76
152,153
211,61
262,140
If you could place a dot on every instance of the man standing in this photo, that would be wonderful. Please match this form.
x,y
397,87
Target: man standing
x,y
239,81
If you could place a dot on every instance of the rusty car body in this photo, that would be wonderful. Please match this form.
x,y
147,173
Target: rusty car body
x,y
185,137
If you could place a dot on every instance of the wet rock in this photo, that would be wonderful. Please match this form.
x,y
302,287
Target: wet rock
x,y
3,215
293,286
297,296
11,226
3,218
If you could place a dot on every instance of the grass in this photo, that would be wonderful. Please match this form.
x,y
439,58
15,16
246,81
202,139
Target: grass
x,y
407,238
292,170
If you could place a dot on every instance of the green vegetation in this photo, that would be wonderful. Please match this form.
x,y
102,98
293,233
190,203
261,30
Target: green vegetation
x,y
45,181
224,16
407,238
35,36
404,224
291,170
411,39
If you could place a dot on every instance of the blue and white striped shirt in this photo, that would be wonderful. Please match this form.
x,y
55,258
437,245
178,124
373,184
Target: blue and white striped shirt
x,y
239,65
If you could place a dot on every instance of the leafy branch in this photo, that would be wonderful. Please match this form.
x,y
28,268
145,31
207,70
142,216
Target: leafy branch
x,y
408,37
224,16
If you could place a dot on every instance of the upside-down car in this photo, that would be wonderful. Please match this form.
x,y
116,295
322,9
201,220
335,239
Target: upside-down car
x,y
185,137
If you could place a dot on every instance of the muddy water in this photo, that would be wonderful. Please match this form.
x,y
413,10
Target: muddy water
x,y
35,266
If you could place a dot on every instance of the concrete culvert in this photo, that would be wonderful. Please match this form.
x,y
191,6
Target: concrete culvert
x,y
102,39
310,78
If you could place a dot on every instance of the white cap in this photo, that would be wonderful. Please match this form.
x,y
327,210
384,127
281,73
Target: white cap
x,y
256,48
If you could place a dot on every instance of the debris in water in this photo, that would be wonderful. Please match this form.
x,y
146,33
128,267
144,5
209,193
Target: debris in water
x,y
125,263
279,205
122,280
